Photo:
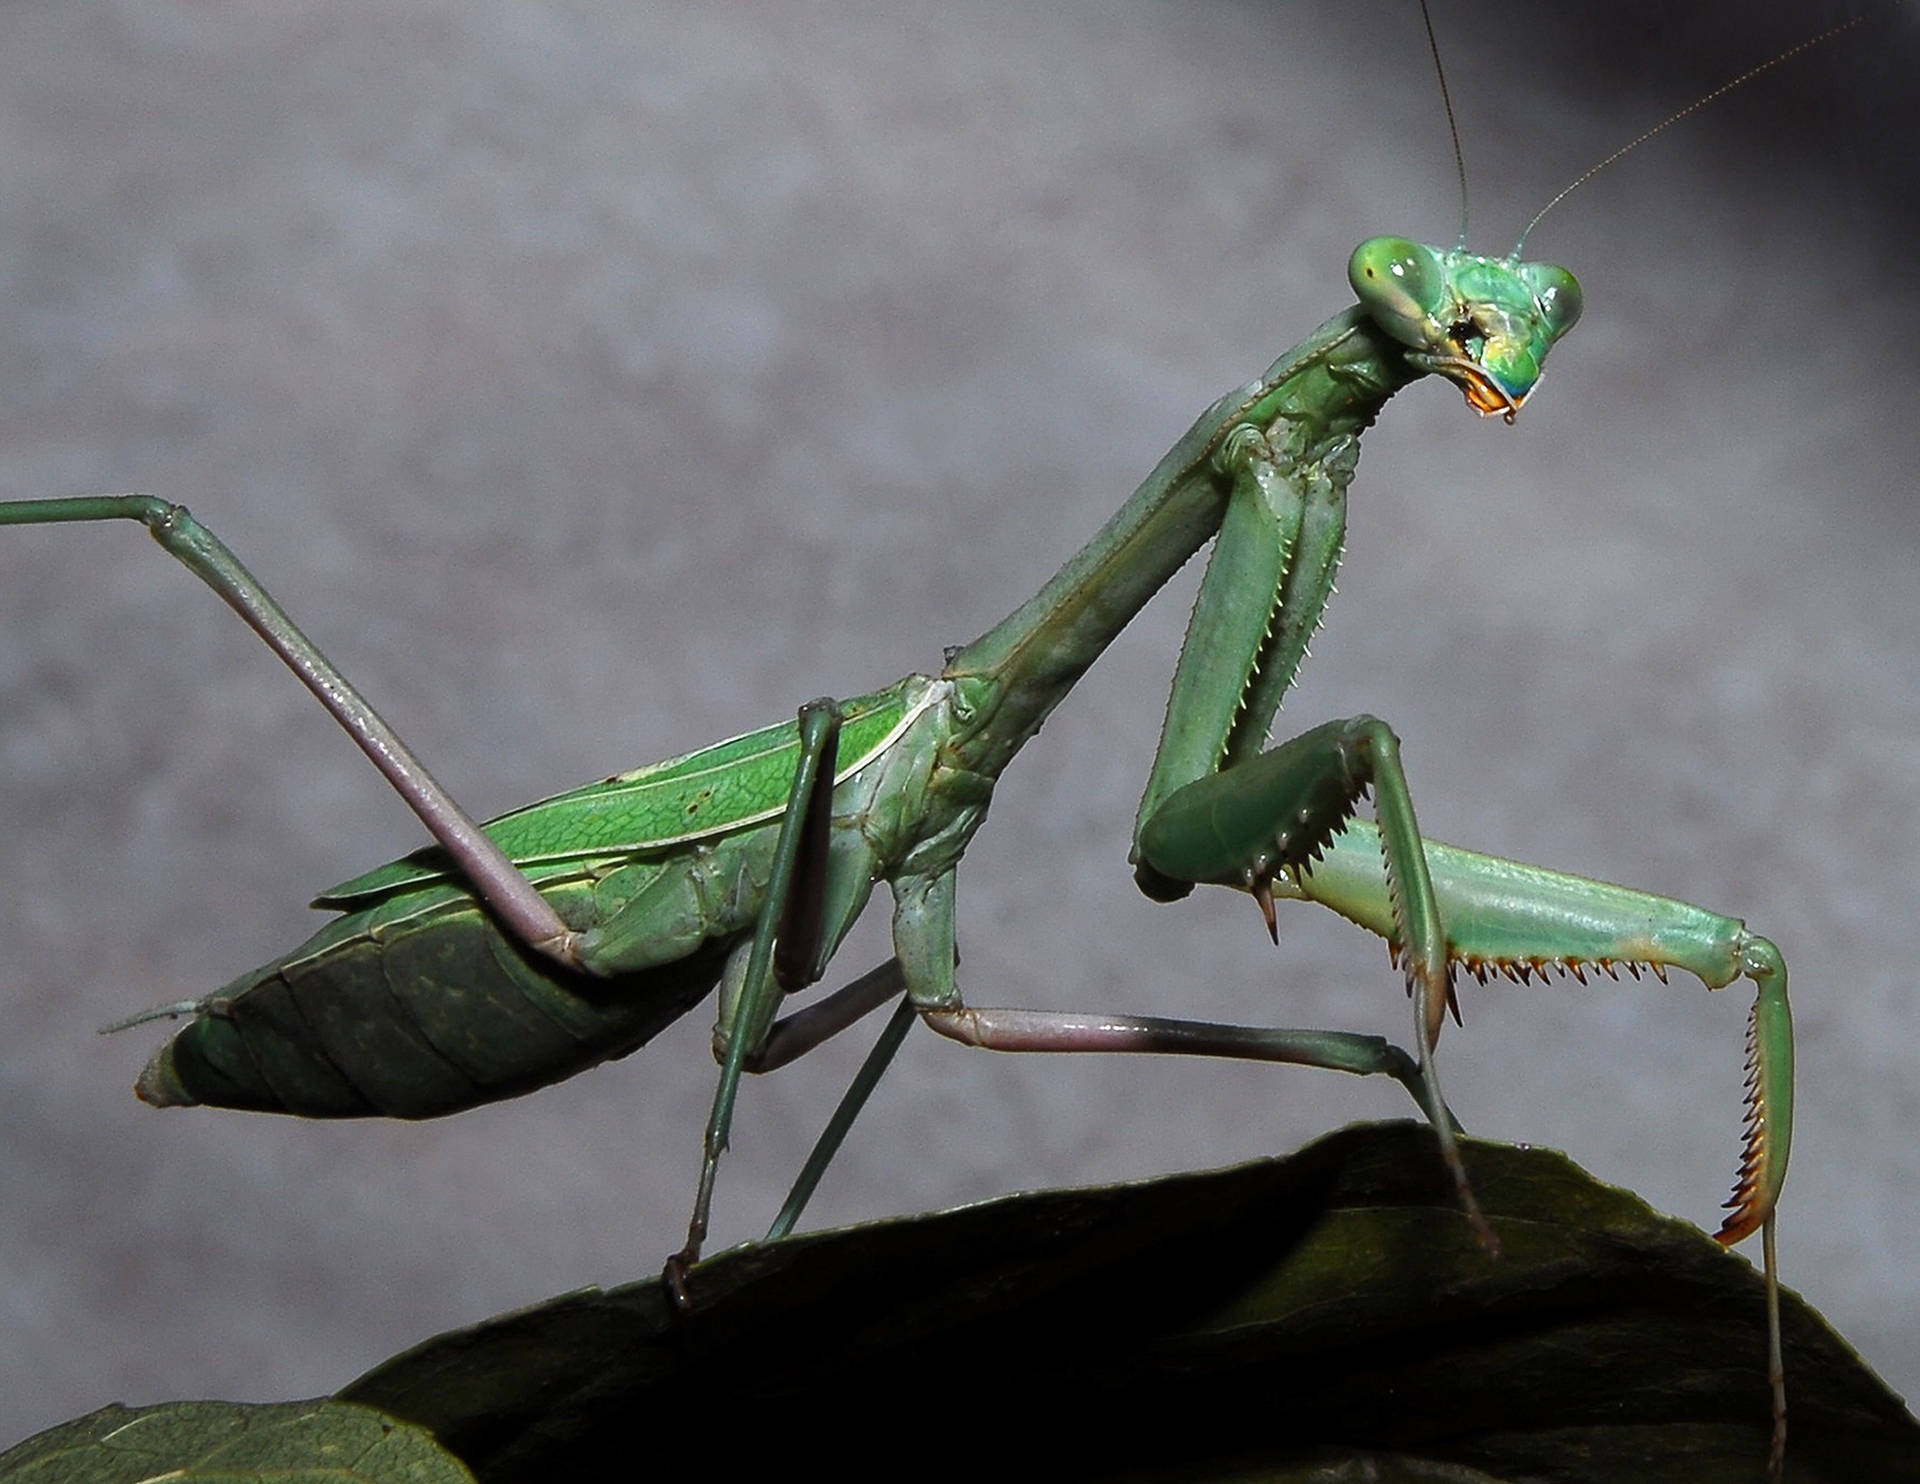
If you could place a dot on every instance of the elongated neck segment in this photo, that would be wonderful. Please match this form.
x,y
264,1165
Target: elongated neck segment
x,y
1317,397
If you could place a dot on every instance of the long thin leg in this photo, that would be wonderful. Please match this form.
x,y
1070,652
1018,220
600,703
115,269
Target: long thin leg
x,y
923,945
495,878
800,854
835,1133
794,1035
998,1029
1032,1030
1776,1361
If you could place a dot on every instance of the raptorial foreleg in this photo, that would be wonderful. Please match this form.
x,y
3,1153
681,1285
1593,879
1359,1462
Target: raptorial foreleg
x,y
1255,824
1517,920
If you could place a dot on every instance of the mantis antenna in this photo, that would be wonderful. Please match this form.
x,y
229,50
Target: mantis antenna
x,y
1453,126
1819,39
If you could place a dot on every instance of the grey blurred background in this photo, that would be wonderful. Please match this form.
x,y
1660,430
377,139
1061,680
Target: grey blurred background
x,y
596,380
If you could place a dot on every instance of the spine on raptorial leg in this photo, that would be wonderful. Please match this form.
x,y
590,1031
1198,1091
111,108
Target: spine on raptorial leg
x,y
1278,812
1330,386
430,1015
1506,918
1769,1125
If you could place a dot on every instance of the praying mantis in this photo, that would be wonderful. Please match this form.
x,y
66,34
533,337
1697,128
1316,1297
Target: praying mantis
x,y
760,649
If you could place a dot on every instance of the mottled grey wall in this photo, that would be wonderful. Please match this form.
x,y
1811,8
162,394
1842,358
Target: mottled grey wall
x,y
598,379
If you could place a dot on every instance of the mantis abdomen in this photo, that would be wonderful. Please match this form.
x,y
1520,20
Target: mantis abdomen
x,y
420,1005
415,1003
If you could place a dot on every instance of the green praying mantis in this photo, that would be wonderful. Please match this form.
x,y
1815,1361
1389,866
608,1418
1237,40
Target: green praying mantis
x,y
930,962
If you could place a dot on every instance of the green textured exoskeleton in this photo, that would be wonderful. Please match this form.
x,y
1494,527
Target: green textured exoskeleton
x,y
571,931
413,1004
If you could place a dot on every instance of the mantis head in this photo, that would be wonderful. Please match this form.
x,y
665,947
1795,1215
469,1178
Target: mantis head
x,y
1486,323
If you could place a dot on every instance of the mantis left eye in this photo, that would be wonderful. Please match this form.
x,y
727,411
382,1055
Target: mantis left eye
x,y
1557,292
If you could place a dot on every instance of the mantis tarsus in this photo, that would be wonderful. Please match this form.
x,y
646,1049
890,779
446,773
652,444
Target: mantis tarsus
x,y
1352,612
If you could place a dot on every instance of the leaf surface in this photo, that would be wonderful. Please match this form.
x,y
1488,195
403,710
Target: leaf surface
x,y
319,1442
1322,1317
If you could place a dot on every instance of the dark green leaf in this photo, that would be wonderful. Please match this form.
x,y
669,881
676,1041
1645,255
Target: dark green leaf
x,y
1325,1317
322,1442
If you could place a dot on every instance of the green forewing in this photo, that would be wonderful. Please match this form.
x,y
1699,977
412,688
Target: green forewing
x,y
697,795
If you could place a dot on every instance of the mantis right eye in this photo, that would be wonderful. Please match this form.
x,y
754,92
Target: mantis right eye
x,y
1401,283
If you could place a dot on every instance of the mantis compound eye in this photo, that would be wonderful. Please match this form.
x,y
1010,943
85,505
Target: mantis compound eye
x,y
1402,284
1557,292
